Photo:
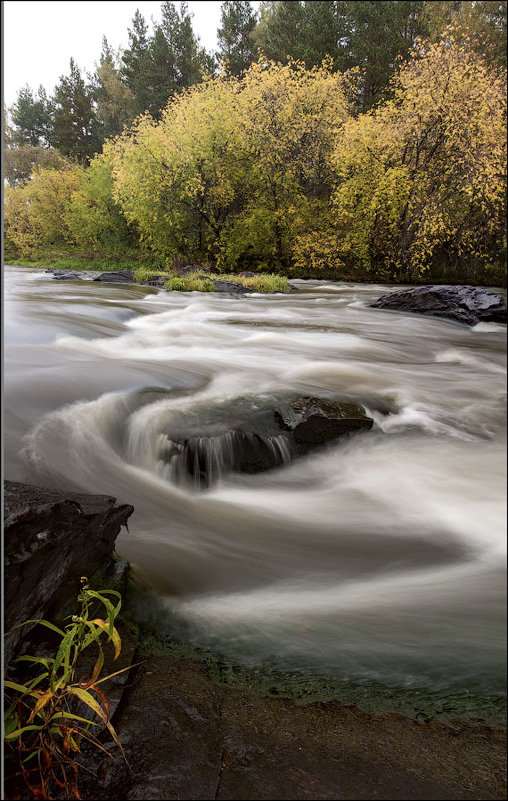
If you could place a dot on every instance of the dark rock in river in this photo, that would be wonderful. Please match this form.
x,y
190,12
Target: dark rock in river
x,y
73,275
466,304
51,539
231,287
266,440
118,276
314,422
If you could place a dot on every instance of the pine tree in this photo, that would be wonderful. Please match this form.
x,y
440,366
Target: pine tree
x,y
136,66
31,116
236,44
162,76
74,132
280,32
378,34
187,55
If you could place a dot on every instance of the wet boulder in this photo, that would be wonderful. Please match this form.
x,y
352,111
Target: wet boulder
x,y
204,459
117,277
264,440
465,304
51,539
313,421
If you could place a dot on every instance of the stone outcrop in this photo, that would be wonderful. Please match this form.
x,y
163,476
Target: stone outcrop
x,y
465,304
51,539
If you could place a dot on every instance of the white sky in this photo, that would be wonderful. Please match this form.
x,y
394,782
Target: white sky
x,y
39,38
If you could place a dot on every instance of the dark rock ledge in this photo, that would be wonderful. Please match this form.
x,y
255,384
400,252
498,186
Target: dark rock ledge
x,y
465,304
51,539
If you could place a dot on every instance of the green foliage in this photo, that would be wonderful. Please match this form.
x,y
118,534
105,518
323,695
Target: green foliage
x,y
190,284
135,69
235,36
31,117
41,724
92,216
74,128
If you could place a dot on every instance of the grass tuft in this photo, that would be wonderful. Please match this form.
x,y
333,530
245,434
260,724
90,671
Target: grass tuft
x,y
190,284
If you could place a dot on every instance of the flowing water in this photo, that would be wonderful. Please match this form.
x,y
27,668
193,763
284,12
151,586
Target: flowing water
x,y
378,560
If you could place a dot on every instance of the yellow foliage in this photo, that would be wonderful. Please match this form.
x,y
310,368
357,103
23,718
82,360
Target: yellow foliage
x,y
424,174
35,212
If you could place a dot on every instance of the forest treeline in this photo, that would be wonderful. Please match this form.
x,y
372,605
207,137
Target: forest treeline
x,y
337,138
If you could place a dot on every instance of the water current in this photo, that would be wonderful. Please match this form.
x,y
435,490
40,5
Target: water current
x,y
377,561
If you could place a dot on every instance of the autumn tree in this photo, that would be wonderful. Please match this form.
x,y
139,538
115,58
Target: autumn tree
x,y
235,36
35,213
234,170
482,23
422,178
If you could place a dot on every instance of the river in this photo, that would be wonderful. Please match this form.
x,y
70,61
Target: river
x,y
378,561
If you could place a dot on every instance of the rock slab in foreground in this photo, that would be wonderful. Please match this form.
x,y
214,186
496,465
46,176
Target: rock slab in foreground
x,y
188,738
465,304
51,539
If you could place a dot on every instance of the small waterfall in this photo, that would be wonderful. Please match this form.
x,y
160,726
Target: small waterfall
x,y
204,460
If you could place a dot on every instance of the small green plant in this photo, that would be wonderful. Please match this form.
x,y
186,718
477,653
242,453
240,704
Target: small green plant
x,y
41,724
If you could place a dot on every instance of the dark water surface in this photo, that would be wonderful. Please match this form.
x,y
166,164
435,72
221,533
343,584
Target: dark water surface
x,y
380,559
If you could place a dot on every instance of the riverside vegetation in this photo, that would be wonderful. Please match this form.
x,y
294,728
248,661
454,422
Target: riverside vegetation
x,y
276,170
42,732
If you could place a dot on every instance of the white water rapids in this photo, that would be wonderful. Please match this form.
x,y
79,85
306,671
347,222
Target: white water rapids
x,y
378,558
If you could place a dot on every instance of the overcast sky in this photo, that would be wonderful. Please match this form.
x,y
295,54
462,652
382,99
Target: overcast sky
x,y
40,37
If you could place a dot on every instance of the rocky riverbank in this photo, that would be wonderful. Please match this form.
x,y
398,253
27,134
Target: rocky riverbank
x,y
188,737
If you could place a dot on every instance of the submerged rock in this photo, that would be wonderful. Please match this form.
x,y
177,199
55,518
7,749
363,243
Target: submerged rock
x,y
51,539
465,304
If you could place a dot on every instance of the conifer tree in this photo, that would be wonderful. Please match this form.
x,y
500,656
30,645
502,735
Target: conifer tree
x,y
31,116
187,56
74,132
136,67
236,43
280,32
162,75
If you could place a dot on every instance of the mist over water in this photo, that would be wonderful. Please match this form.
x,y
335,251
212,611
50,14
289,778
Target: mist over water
x,y
380,557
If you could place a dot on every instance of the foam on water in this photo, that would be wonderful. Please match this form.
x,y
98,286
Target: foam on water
x,y
382,554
